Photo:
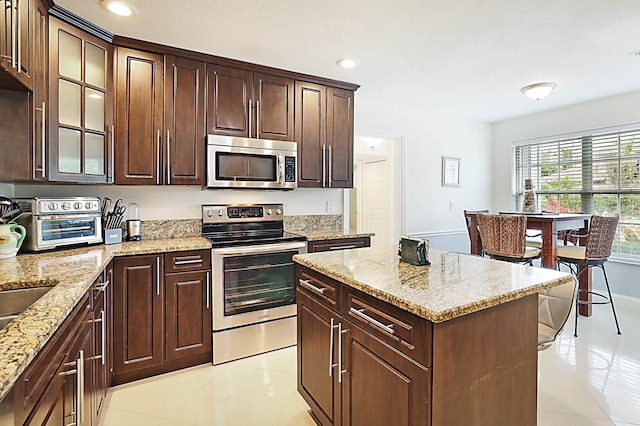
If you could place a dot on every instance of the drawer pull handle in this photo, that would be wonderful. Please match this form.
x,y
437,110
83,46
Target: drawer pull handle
x,y
307,284
342,247
358,312
187,262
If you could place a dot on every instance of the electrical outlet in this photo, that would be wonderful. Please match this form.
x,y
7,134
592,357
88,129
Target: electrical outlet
x,y
330,207
452,205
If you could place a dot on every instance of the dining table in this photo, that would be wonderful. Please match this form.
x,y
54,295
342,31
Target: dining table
x,y
549,224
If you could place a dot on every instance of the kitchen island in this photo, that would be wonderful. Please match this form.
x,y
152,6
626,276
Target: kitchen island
x,y
385,342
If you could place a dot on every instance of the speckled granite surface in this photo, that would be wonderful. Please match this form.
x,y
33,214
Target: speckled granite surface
x,y
71,273
179,228
452,286
330,235
313,222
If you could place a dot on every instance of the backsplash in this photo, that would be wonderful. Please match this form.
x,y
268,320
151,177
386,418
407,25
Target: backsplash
x,y
178,228
315,222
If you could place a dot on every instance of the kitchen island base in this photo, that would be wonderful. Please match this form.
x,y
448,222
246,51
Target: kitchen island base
x,y
362,360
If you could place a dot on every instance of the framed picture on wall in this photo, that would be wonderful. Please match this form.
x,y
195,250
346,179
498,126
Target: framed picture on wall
x,y
450,171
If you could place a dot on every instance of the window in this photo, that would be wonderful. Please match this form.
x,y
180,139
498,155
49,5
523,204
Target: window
x,y
596,173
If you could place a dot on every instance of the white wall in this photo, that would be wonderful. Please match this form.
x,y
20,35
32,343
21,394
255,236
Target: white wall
x,y
614,110
6,190
427,136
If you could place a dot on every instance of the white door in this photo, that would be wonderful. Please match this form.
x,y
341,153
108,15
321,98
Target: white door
x,y
377,201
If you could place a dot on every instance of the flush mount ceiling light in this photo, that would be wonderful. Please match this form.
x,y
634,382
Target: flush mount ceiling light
x,y
346,63
118,7
371,142
538,91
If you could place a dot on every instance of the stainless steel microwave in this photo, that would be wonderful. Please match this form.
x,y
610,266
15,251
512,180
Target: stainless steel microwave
x,y
249,163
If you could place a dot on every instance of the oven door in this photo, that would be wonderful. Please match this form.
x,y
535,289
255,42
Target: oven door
x,y
57,230
253,284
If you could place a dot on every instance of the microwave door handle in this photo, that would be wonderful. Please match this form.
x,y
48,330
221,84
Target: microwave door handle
x,y
281,169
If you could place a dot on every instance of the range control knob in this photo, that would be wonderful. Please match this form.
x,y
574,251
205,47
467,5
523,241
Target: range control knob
x,y
52,206
209,213
66,205
88,205
221,212
269,212
278,212
77,205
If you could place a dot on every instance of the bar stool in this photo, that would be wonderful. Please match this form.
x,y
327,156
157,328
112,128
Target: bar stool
x,y
470,217
596,251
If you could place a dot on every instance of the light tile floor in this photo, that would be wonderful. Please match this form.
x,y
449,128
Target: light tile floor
x,y
593,380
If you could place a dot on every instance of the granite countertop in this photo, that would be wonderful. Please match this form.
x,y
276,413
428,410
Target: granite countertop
x,y
318,235
71,273
452,286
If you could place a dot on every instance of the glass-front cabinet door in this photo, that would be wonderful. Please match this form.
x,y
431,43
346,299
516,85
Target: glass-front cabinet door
x,y
81,116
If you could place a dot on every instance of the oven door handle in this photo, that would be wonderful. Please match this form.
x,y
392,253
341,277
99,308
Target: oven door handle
x,y
264,248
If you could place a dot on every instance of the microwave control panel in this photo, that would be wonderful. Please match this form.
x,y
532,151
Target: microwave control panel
x,y
289,169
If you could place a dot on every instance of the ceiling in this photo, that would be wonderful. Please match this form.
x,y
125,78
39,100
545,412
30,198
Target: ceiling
x,y
463,57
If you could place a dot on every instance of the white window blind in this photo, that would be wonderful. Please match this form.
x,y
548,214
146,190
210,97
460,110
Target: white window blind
x,y
597,173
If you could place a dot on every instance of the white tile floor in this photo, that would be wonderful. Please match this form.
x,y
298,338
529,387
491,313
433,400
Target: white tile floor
x,y
592,380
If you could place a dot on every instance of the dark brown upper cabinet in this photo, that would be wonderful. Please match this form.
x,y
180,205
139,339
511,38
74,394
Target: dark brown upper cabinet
x,y
80,140
17,25
249,104
160,114
324,132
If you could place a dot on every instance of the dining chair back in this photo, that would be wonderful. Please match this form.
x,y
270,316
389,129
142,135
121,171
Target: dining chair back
x,y
504,237
470,217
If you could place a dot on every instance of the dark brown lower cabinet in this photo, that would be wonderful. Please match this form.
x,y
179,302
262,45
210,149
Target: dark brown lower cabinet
x,y
362,361
56,388
162,321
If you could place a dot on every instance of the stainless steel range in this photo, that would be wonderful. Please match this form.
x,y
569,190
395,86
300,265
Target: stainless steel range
x,y
253,286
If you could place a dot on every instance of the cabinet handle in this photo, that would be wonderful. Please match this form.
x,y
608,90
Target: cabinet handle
x,y
112,148
359,313
330,164
324,165
187,262
103,287
340,333
307,284
14,34
43,129
331,339
158,159
208,290
249,117
103,316
342,247
80,387
168,158
257,119
158,275
18,38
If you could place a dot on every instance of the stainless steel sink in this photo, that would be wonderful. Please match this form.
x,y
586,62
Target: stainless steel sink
x,y
13,302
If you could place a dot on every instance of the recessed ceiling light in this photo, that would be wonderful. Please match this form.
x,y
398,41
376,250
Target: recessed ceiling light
x,y
538,91
346,63
120,8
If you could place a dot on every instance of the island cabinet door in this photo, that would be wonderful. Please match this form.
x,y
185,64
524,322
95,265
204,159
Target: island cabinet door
x,y
381,386
317,353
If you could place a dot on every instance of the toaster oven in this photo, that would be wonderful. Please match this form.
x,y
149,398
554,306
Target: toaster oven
x,y
57,222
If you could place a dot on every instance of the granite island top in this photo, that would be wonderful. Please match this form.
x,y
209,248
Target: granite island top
x,y
330,234
70,273
453,284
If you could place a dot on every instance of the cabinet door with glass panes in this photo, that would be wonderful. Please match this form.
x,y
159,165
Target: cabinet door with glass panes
x,y
81,143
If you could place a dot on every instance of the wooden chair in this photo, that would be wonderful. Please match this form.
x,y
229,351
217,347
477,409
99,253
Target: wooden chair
x,y
503,238
595,252
554,309
470,217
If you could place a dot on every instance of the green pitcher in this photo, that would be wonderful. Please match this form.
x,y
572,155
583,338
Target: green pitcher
x,y
10,240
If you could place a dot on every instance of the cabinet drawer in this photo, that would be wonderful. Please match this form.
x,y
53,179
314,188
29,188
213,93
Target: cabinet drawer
x,y
341,244
184,261
402,330
321,288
